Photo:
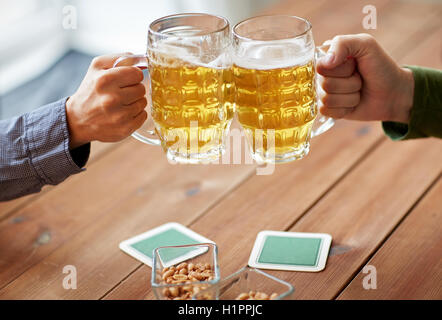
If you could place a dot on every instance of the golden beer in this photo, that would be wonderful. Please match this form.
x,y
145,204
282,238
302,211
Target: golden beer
x,y
192,106
277,108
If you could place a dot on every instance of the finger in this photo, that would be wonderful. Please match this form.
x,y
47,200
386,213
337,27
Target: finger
x,y
344,46
124,76
341,85
134,109
345,69
132,93
107,61
338,100
138,121
336,113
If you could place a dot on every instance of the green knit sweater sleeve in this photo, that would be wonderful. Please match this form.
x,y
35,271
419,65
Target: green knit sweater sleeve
x,y
426,113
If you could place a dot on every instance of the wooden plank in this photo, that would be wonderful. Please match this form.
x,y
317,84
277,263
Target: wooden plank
x,y
134,170
409,264
408,23
345,17
428,53
271,202
98,149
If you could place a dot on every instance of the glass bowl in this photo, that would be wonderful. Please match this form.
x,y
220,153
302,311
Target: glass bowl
x,y
179,272
247,284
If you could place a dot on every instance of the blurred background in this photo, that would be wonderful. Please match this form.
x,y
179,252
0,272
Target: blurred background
x,y
47,45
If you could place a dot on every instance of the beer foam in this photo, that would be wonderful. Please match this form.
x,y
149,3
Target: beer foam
x,y
174,52
277,55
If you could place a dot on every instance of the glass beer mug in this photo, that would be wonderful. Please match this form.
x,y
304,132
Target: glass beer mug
x,y
191,86
276,99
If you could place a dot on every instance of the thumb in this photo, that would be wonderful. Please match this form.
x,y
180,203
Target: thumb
x,y
107,61
344,47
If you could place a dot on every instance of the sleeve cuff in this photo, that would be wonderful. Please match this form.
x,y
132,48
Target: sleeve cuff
x,y
422,114
81,154
48,142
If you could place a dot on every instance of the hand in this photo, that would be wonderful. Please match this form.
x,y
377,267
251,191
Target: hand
x,y
360,81
109,104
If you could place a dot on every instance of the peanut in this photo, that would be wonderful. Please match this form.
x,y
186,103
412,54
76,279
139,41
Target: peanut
x,y
167,274
166,292
185,274
188,288
252,295
174,291
179,277
181,266
242,296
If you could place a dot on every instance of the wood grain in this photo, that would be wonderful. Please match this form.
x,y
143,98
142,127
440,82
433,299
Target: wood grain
x,y
428,53
134,170
409,264
98,149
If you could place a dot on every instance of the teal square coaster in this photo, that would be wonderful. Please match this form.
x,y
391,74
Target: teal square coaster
x,y
290,251
142,246
171,237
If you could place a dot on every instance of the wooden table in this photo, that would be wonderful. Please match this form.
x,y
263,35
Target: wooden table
x,y
380,200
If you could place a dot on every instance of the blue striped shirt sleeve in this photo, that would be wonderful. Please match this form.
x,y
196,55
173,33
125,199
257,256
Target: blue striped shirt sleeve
x,y
34,151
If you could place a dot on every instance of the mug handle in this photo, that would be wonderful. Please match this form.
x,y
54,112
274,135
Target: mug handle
x,y
322,123
146,133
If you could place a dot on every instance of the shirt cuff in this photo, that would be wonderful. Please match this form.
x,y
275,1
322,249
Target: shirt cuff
x,y
426,114
47,137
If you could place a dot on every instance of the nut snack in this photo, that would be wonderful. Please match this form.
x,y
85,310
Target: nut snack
x,y
258,295
187,274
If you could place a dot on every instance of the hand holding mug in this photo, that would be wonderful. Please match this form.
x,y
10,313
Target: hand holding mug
x,y
360,81
109,104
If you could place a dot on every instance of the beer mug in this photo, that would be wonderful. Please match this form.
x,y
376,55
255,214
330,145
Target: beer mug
x,y
274,75
190,84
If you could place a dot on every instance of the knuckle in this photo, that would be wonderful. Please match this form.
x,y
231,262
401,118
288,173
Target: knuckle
x,y
326,100
111,100
126,131
103,81
338,38
328,85
325,111
142,103
366,37
96,62
142,90
136,74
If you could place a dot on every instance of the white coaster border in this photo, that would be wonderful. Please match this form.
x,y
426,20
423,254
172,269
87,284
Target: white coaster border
x,y
259,242
126,244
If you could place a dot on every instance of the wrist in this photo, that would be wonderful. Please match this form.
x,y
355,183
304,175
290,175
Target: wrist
x,y
75,138
404,97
